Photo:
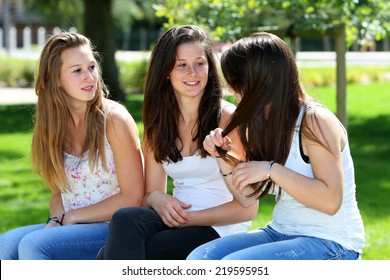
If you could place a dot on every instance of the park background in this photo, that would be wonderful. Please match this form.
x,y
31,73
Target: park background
x,y
124,32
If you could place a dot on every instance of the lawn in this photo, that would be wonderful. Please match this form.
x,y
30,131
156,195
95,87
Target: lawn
x,y
24,198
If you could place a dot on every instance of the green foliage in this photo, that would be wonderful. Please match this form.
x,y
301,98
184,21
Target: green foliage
x,y
318,77
231,19
60,13
17,72
20,73
132,75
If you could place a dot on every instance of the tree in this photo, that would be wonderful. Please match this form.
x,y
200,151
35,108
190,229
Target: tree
x,y
97,24
347,20
231,19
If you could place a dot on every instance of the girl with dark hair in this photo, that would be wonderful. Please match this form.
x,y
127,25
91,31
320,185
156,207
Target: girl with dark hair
x,y
182,104
296,149
87,150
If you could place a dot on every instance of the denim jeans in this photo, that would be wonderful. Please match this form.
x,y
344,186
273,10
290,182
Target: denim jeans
x,y
71,242
268,244
138,233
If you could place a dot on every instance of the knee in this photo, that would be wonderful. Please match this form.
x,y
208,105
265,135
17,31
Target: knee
x,y
31,249
128,217
125,214
200,253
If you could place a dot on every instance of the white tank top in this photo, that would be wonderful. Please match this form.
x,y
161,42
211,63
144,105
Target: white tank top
x,y
292,217
197,181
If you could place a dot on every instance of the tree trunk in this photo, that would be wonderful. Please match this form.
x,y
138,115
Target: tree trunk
x,y
98,25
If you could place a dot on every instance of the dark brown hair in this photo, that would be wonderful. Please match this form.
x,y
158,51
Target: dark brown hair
x,y
262,69
160,111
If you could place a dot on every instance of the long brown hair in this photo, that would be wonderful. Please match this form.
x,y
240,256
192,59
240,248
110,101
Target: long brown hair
x,y
262,69
52,114
160,111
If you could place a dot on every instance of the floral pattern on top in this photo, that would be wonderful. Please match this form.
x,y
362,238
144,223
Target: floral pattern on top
x,y
89,187
86,186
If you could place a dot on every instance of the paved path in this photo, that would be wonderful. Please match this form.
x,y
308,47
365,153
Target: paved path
x,y
17,96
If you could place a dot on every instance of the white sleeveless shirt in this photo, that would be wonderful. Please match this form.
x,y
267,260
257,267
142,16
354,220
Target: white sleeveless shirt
x,y
85,187
293,218
198,182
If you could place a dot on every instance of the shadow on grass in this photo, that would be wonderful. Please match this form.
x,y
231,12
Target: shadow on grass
x,y
370,148
16,118
10,155
20,118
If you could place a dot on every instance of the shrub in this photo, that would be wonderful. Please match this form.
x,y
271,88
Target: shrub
x,y
17,72
132,75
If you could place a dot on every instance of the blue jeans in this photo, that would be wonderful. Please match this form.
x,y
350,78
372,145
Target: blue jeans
x,y
71,242
268,244
138,233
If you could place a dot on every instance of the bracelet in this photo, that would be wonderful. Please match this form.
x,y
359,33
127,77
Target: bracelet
x,y
56,220
226,174
269,170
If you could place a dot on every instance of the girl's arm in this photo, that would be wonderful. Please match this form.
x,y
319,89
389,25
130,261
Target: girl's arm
x,y
122,134
324,192
170,209
56,209
56,206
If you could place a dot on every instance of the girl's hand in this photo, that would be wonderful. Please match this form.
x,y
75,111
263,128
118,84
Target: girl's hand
x,y
52,224
170,209
246,173
215,139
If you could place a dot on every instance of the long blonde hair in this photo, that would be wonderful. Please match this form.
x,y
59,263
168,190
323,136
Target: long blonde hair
x,y
52,114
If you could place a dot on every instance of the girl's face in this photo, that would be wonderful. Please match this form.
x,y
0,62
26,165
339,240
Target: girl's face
x,y
190,73
78,74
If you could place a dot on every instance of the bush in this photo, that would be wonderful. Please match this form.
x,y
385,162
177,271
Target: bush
x,y
17,72
132,75
20,73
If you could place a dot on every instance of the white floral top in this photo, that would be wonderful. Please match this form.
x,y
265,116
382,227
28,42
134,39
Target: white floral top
x,y
86,187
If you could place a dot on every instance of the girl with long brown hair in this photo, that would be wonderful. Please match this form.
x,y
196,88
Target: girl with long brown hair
x,y
87,150
182,103
296,149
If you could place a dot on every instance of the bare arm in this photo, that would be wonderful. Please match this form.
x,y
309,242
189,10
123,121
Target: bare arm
x,y
323,192
170,209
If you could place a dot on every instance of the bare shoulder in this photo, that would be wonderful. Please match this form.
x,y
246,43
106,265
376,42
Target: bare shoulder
x,y
117,112
120,124
326,126
227,110
321,117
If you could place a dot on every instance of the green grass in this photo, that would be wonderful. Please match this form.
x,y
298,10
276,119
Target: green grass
x,y
24,198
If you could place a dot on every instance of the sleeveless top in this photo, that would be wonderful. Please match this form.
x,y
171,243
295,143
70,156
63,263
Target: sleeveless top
x,y
293,218
198,181
88,187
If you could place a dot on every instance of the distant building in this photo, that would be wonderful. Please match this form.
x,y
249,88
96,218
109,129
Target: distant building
x,y
15,16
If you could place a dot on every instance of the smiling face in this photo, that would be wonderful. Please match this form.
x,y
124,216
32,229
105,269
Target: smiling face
x,y
79,74
190,72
